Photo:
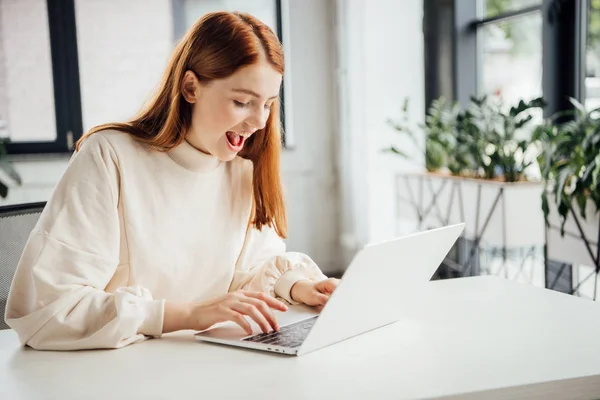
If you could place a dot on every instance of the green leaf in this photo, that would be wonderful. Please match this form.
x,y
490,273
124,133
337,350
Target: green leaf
x,y
580,107
596,173
563,210
563,175
538,102
523,121
545,207
3,190
395,150
12,173
522,106
582,202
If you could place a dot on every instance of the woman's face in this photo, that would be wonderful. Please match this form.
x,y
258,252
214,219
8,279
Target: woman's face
x,y
227,111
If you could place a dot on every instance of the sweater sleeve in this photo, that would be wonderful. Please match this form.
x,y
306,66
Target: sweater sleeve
x,y
265,266
57,299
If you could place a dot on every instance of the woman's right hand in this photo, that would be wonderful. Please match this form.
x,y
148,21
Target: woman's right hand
x,y
233,306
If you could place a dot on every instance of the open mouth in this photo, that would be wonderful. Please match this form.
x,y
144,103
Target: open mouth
x,y
235,140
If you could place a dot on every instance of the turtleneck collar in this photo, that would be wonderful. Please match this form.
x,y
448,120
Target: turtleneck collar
x,y
193,159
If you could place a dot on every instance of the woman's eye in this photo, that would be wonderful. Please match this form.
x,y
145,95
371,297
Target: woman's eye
x,y
240,104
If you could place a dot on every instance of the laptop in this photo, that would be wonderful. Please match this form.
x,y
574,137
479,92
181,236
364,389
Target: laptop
x,y
381,280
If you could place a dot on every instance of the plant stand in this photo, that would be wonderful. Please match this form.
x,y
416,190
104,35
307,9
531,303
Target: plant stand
x,y
578,250
504,217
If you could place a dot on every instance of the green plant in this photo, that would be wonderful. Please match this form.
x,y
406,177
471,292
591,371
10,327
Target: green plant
x,y
570,161
7,169
500,139
481,141
439,129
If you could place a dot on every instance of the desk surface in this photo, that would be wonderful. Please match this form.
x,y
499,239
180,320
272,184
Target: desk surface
x,y
464,336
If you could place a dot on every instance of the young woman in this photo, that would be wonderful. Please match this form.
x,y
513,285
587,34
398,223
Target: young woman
x,y
175,219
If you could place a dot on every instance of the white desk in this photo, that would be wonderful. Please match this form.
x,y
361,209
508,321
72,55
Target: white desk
x,y
469,335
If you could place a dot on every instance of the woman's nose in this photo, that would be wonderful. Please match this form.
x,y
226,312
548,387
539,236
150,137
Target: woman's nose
x,y
258,120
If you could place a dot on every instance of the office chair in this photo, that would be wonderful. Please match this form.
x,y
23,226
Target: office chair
x,y
16,223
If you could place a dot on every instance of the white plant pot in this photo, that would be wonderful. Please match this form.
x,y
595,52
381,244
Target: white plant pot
x,y
513,212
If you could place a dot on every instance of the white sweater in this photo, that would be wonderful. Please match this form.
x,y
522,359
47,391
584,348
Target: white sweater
x,y
129,227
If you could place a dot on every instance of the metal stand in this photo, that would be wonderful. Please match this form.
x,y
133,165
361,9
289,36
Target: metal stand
x,y
594,258
468,260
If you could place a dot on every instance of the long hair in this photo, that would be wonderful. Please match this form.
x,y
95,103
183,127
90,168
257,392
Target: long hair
x,y
214,48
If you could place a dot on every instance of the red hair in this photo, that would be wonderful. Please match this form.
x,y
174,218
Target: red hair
x,y
214,48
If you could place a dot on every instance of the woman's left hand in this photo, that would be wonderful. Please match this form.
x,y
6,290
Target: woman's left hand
x,y
314,294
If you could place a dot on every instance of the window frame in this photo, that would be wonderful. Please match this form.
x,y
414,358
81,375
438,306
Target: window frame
x,y
62,26
65,78
563,22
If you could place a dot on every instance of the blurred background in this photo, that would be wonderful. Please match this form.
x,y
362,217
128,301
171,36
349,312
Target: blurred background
x,y
399,115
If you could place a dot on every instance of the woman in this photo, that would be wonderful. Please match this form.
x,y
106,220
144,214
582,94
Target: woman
x,y
175,219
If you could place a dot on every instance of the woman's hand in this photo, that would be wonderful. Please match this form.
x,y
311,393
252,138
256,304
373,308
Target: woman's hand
x,y
230,307
314,293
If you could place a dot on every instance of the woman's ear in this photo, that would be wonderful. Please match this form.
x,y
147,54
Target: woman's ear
x,y
189,87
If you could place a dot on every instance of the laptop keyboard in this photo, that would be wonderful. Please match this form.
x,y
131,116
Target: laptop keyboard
x,y
288,336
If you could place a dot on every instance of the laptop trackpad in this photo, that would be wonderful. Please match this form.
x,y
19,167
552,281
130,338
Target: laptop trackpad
x,y
232,331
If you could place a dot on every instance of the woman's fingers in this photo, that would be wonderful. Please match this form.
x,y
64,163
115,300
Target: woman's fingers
x,y
240,320
254,313
265,310
320,298
271,302
255,305
328,286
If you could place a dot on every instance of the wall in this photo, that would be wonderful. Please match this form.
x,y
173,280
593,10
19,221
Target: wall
x,y
380,63
394,73
123,49
308,169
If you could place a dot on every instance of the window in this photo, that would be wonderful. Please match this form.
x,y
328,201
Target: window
x,y
494,8
519,50
26,72
511,59
69,65
38,81
592,56
509,51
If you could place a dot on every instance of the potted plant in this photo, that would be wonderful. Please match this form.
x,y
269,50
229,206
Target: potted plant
x,y
7,172
570,166
440,132
481,141
476,161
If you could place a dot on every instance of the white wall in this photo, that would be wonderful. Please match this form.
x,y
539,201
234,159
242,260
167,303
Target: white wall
x,y
123,49
352,138
308,168
395,71
380,64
